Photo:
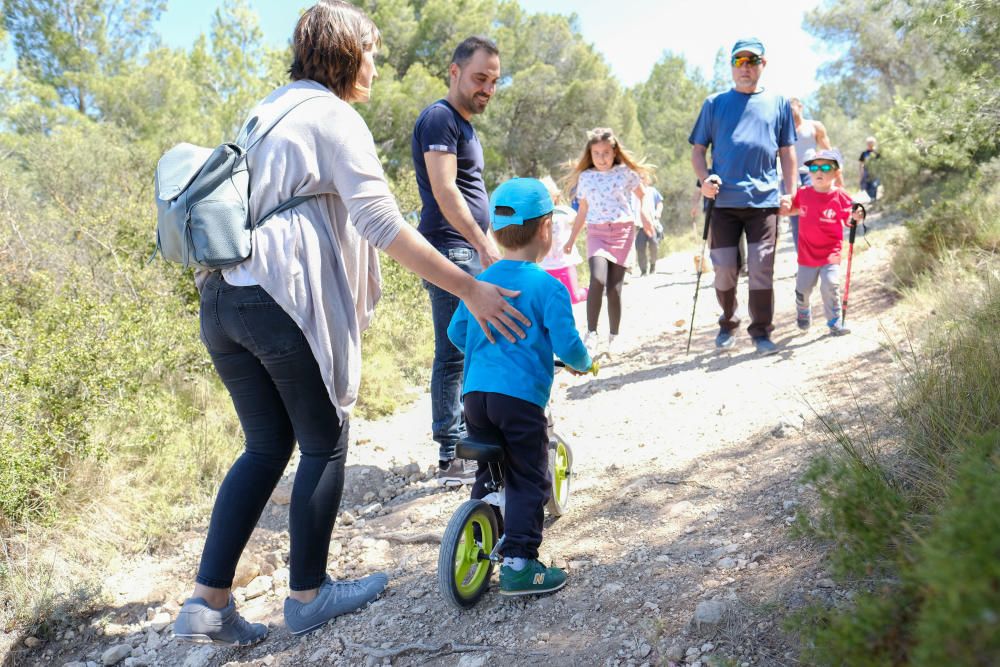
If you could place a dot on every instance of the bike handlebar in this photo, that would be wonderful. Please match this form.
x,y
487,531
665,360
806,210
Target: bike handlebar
x,y
593,368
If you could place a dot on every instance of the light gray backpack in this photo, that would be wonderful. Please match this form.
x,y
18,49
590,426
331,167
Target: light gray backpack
x,y
203,201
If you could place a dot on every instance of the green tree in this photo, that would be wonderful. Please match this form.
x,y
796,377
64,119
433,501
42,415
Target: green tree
x,y
882,57
65,44
397,21
394,106
241,70
442,25
668,103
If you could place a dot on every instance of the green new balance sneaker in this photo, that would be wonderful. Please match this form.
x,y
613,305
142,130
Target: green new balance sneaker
x,y
534,579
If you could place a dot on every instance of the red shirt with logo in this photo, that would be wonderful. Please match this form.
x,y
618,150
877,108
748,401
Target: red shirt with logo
x,y
822,218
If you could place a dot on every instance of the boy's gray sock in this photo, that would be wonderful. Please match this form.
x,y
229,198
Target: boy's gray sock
x,y
516,564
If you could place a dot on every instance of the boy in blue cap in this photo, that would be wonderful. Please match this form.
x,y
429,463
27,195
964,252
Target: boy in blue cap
x,y
507,386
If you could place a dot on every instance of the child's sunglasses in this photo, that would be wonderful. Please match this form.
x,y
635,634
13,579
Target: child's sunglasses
x,y
746,60
821,167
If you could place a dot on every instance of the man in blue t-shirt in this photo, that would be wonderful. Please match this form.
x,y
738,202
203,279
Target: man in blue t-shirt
x,y
448,161
748,129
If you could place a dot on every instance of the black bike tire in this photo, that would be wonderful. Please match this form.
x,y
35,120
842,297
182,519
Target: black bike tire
x,y
449,547
553,506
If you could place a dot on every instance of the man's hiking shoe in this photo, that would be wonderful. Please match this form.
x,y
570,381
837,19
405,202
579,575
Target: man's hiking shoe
x,y
199,623
764,346
803,318
725,340
335,598
837,328
456,472
534,579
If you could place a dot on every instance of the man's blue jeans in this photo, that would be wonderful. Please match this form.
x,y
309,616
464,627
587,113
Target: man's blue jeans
x,y
448,422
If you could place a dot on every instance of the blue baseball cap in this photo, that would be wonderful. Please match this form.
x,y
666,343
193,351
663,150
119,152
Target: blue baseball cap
x,y
751,44
527,196
831,154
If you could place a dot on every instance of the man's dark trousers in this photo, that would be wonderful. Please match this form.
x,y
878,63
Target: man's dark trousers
x,y
761,228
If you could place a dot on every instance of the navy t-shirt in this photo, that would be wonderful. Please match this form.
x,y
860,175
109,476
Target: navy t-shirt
x,y
745,132
441,128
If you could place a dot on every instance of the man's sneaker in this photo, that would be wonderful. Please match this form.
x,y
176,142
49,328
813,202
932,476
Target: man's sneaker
x,y
725,340
456,472
592,341
535,578
199,623
837,328
335,598
764,346
803,318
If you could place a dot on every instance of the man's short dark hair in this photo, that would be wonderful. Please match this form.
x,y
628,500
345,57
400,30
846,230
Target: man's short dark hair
x,y
469,46
514,237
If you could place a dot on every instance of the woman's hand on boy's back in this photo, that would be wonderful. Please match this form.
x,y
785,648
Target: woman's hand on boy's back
x,y
488,304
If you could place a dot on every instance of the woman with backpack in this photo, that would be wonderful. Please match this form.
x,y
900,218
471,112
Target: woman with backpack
x,y
284,327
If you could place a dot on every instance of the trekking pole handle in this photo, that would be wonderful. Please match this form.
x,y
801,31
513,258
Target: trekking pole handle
x,y
854,224
711,205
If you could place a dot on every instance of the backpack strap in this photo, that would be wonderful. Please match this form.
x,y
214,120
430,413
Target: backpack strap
x,y
283,206
244,136
251,125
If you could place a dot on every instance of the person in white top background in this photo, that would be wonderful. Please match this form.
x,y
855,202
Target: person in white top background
x,y
812,137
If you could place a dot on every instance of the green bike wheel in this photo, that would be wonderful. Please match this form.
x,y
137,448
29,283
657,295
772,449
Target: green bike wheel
x,y
560,472
464,567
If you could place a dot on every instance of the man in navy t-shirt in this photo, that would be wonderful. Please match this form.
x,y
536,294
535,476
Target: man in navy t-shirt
x,y
448,161
748,129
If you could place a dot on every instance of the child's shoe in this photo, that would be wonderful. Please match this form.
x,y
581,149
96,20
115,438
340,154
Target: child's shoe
x,y
534,579
592,341
612,347
803,318
837,327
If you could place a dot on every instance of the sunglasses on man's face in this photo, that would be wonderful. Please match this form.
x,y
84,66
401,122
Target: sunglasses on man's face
x,y
825,168
747,60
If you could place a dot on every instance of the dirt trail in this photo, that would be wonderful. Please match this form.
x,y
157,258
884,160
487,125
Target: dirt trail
x,y
677,538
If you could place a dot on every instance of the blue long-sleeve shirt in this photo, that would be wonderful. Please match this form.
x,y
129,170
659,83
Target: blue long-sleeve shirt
x,y
522,369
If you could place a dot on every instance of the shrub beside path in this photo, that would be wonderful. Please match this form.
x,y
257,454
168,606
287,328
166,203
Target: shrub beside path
x,y
678,538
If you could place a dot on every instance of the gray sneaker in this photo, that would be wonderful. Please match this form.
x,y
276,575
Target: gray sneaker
x,y
457,472
335,598
199,623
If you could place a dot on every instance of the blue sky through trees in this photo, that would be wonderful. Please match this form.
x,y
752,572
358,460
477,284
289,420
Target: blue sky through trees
x,y
632,34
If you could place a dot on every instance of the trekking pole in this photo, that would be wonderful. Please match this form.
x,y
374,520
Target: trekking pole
x,y
850,256
701,260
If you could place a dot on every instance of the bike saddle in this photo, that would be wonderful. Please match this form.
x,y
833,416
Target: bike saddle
x,y
478,450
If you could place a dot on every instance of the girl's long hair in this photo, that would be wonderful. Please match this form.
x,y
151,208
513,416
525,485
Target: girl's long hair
x,y
622,156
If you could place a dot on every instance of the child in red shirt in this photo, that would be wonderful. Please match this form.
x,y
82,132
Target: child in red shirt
x,y
824,210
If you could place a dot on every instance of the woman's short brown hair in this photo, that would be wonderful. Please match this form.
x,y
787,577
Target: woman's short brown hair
x,y
330,40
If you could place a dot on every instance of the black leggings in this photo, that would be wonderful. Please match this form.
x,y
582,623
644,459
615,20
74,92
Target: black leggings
x,y
277,389
605,276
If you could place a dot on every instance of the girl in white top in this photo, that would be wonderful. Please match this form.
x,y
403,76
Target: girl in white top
x,y
605,179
